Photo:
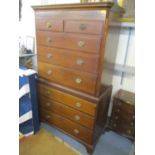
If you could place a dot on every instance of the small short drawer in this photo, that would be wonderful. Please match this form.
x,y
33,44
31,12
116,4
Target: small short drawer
x,y
49,24
123,122
89,27
124,129
71,78
124,107
67,99
69,58
67,112
81,42
122,116
68,126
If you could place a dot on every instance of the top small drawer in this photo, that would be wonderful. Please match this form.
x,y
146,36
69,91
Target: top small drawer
x,y
49,24
89,27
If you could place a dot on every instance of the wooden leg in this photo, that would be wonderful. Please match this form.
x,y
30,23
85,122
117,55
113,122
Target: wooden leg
x,y
89,150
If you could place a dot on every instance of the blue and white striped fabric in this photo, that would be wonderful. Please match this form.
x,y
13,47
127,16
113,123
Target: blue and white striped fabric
x,y
25,105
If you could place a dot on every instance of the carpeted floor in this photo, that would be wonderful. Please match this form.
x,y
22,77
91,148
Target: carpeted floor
x,y
44,143
109,143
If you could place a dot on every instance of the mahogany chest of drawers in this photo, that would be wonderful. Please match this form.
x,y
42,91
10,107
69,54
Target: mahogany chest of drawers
x,y
123,113
71,40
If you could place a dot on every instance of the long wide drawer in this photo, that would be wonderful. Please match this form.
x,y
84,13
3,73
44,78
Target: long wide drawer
x,y
69,58
68,126
82,42
75,79
67,112
68,99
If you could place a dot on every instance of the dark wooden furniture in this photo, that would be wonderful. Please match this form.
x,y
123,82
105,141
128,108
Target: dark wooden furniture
x,y
70,42
123,113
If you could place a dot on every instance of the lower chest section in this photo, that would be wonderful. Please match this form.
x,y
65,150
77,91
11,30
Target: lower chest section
x,y
73,115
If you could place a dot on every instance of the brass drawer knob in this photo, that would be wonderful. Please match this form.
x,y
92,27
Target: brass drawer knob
x,y
47,104
129,131
114,124
49,55
131,123
49,72
48,25
79,61
48,40
47,92
47,116
118,110
76,131
78,80
77,117
78,104
82,27
116,117
81,44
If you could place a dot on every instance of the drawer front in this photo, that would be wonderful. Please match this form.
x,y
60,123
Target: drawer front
x,y
124,129
123,108
67,99
87,43
49,24
125,122
67,112
68,126
74,79
118,116
90,27
70,59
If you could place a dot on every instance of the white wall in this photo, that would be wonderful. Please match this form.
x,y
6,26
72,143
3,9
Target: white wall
x,y
119,51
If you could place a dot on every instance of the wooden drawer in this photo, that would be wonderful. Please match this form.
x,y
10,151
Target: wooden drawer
x,y
123,116
81,81
123,107
124,129
87,43
68,126
70,59
122,122
67,112
49,24
67,99
90,27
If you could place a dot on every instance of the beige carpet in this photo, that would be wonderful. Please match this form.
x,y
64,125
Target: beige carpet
x,y
44,143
